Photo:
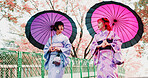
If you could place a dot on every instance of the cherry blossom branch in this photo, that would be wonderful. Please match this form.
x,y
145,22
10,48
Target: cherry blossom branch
x,y
32,1
48,4
52,5
87,48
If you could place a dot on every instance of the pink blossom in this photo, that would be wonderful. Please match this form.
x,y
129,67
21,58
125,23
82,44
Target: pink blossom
x,y
27,8
23,25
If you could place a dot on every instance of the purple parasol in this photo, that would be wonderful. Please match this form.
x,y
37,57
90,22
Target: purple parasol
x,y
125,22
38,28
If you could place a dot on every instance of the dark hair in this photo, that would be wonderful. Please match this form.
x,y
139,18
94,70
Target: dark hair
x,y
105,20
57,24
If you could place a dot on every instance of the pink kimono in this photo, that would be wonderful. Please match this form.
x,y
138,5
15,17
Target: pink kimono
x,y
109,57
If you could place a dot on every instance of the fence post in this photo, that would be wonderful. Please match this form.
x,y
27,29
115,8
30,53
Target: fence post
x,y
19,65
2,72
71,67
11,73
3,62
42,66
88,67
80,68
94,70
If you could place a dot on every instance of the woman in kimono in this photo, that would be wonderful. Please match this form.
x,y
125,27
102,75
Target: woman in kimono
x,y
106,49
56,54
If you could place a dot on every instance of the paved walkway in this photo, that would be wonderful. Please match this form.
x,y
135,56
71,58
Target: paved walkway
x,y
84,75
75,75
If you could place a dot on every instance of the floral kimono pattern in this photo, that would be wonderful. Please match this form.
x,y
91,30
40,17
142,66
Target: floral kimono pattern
x,y
62,42
107,59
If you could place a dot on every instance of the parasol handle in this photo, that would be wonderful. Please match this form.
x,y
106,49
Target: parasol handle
x,y
51,42
51,38
52,27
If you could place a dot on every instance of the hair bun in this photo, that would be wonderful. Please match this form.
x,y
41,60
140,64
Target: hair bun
x,y
52,27
105,20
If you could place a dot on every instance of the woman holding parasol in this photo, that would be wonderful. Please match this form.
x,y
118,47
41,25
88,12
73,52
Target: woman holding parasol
x,y
56,50
52,31
106,49
125,31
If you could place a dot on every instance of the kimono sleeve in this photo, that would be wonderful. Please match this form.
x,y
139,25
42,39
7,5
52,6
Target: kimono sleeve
x,y
66,50
46,49
116,45
93,45
94,50
47,54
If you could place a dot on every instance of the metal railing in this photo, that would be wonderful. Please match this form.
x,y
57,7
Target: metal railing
x,y
15,64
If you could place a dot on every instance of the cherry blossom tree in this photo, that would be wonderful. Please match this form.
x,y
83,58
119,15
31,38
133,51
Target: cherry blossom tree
x,y
133,56
15,11
18,12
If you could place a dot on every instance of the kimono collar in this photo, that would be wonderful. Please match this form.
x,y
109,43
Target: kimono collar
x,y
58,34
104,31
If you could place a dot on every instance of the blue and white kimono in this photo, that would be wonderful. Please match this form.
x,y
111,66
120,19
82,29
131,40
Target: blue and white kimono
x,y
62,42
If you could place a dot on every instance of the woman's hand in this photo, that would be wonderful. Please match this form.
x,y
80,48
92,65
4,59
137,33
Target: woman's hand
x,y
57,49
105,43
98,46
51,49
